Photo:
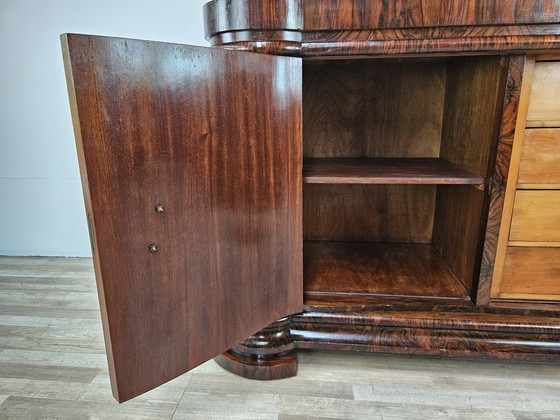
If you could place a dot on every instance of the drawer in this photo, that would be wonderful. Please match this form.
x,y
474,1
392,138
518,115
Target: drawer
x,y
540,157
532,271
536,216
544,101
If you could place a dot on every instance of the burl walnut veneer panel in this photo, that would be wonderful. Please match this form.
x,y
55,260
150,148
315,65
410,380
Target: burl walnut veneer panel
x,y
214,138
361,14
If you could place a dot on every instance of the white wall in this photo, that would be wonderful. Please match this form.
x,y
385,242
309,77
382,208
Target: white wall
x,y
41,205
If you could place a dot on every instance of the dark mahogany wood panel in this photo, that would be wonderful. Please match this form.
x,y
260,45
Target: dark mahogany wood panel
x,y
500,172
443,333
214,137
234,15
363,14
386,171
390,269
359,27
383,213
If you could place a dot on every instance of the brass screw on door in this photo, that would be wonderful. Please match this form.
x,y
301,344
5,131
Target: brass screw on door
x,y
159,208
153,248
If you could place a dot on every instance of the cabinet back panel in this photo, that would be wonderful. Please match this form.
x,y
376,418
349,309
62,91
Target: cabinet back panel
x,y
473,105
457,229
380,213
365,108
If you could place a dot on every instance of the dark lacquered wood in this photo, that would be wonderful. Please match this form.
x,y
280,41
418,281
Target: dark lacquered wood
x,y
213,136
267,354
354,212
386,171
362,14
500,175
432,333
234,15
351,28
390,269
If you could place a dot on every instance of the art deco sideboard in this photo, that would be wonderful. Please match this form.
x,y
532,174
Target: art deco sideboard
x,y
336,175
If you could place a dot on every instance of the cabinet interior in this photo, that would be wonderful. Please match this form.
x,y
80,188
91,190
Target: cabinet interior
x,y
396,155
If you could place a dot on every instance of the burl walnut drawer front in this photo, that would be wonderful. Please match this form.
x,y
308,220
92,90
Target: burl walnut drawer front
x,y
544,100
536,216
540,157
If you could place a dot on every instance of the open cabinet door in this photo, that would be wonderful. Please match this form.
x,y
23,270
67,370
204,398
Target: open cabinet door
x,y
190,160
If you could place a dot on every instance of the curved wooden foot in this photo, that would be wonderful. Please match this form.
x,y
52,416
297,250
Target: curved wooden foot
x,y
268,354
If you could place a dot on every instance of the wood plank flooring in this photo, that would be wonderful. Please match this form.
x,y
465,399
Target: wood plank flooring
x,y
53,366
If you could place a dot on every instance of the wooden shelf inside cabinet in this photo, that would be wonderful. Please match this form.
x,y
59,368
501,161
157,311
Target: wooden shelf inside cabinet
x,y
378,269
386,171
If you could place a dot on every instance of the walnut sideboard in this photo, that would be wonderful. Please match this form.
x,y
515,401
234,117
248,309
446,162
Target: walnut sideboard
x,y
335,175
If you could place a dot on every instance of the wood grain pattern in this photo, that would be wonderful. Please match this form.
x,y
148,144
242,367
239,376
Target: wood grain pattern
x,y
544,106
532,271
363,109
352,14
160,124
350,27
384,213
471,121
540,157
386,171
266,355
507,133
536,216
474,93
234,15
513,172
354,268
458,229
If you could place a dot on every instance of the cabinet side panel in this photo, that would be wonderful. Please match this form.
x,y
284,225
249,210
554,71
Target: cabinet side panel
x,y
193,157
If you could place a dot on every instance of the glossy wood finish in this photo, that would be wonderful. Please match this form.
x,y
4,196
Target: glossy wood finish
x,y
351,27
386,171
387,269
544,106
442,333
385,213
507,133
234,15
214,137
265,355
473,102
352,14
540,158
536,216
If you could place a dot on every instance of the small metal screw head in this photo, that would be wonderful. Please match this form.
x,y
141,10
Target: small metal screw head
x,y
153,248
159,208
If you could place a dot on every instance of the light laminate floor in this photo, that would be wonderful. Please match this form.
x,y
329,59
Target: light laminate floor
x,y
52,365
